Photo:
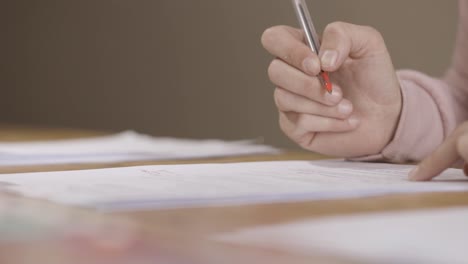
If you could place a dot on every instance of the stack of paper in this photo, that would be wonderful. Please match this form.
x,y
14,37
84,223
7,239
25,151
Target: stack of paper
x,y
426,237
126,146
150,187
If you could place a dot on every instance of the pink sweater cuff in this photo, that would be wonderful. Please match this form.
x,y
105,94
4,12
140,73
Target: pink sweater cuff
x,y
421,125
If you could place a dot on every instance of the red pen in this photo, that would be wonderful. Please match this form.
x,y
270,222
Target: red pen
x,y
305,21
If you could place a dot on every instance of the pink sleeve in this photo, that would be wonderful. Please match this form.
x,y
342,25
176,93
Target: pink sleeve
x,y
432,108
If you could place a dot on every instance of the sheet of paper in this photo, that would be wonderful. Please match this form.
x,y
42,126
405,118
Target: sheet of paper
x,y
126,146
426,237
166,186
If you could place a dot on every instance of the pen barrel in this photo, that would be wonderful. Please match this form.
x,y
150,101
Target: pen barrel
x,y
305,20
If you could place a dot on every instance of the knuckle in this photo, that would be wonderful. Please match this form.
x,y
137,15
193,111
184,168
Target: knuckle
x,y
273,72
267,36
301,134
285,121
374,35
279,99
304,141
372,31
271,34
337,27
283,126
286,132
289,132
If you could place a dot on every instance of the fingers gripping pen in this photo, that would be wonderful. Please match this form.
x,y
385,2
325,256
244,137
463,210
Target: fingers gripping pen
x,y
311,36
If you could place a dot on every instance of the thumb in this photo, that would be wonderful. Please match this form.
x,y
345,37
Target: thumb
x,y
343,40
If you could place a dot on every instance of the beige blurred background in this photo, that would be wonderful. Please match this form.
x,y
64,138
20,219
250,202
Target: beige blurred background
x,y
187,68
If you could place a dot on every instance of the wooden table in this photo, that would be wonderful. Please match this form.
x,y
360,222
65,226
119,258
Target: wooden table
x,y
180,235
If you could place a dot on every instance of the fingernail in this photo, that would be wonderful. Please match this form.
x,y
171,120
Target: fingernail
x,y
354,121
345,107
329,58
334,97
413,175
311,66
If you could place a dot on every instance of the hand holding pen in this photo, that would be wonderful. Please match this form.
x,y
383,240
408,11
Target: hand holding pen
x,y
360,115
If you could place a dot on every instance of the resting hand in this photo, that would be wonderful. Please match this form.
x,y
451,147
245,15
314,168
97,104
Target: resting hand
x,y
453,149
